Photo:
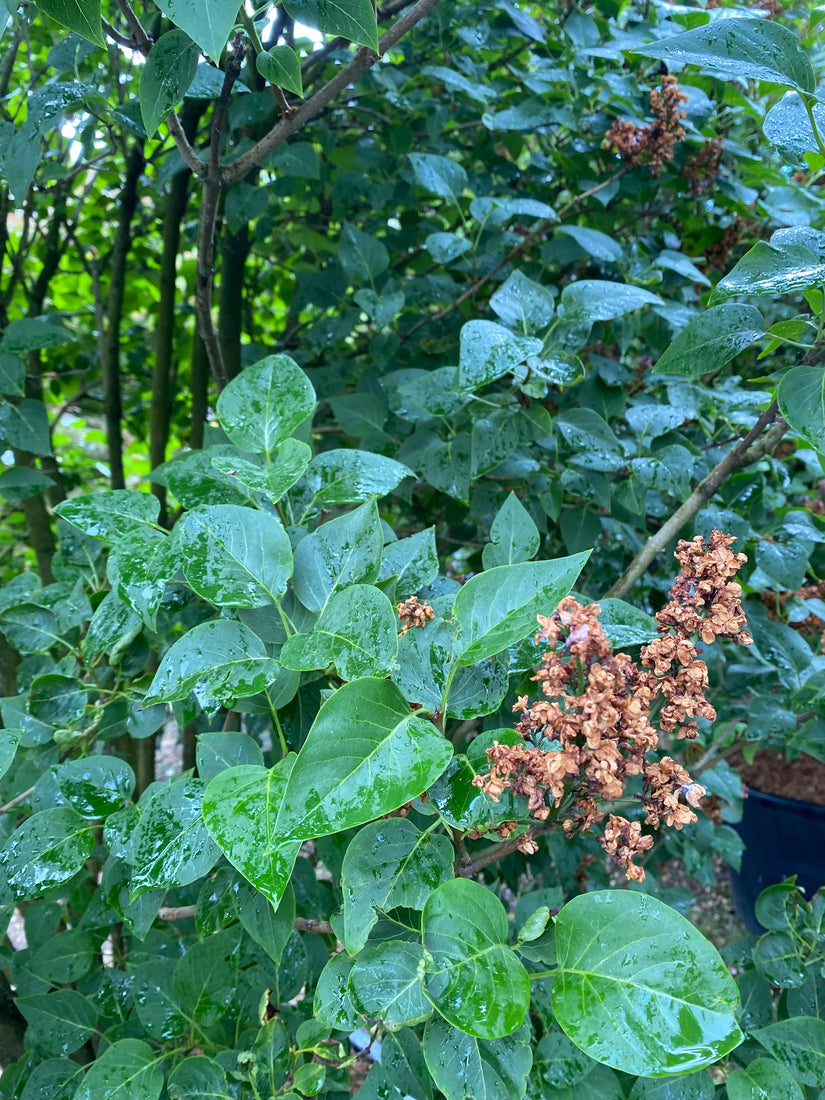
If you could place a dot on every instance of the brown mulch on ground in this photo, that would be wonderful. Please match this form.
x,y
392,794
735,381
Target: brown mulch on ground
x,y
803,778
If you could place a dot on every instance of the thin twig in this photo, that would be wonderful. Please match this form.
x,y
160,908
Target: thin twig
x,y
364,59
697,499
16,801
498,851
184,912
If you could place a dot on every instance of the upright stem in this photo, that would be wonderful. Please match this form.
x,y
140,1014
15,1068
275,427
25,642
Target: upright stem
x,y
110,345
234,252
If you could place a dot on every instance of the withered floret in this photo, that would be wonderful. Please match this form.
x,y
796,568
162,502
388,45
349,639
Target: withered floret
x,y
592,730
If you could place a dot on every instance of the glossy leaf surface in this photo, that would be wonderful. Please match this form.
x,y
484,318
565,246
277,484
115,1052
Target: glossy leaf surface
x,y
166,76
235,557
712,339
46,850
389,864
127,1070
387,981
171,844
497,608
799,1044
217,661
638,988
266,402
801,398
466,1068
343,551
475,981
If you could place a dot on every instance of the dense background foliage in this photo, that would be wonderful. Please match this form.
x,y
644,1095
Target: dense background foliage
x,y
497,315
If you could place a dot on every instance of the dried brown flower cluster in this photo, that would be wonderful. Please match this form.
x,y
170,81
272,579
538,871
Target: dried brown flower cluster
x,y
414,612
702,168
718,253
593,729
654,144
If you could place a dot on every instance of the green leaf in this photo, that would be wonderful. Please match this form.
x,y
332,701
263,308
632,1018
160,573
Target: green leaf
x,y
217,751
54,1079
171,844
26,426
387,981
439,175
59,1022
357,631
45,851
235,557
466,1068
218,661
388,865
425,670
58,700
799,1044
763,1079
113,514
362,257
96,785
268,926
639,988
127,1070
523,304
697,1086
66,957
346,550
748,47
197,1078
351,19
12,374
332,1005
788,127
497,608
165,77
601,300
712,339
288,462
475,980
207,24
240,808
412,561
280,65
487,351
514,536
626,625
139,571
347,477
162,1016
801,397
205,978
113,627
80,16
30,629
449,465
793,260
9,740
383,757
595,243
265,403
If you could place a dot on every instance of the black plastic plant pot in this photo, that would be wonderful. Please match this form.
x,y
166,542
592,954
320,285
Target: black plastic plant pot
x,y
782,837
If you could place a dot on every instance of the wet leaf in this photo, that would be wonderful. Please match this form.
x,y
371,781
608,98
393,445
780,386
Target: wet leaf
x,y
801,397
219,662
487,351
387,981
475,980
346,477
332,1005
235,557
95,786
346,550
439,175
514,536
45,851
60,1022
413,561
799,1044
352,19
389,864
757,49
639,988
113,514
497,608
205,978
763,1079
166,76
197,1078
217,751
466,1068
262,407
793,260
601,300
127,1070
711,339
357,631
240,808
171,844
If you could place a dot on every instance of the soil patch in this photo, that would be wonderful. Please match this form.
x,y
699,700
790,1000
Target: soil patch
x,y
803,778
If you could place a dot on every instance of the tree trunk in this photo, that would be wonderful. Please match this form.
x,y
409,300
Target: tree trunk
x,y
234,251
110,347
